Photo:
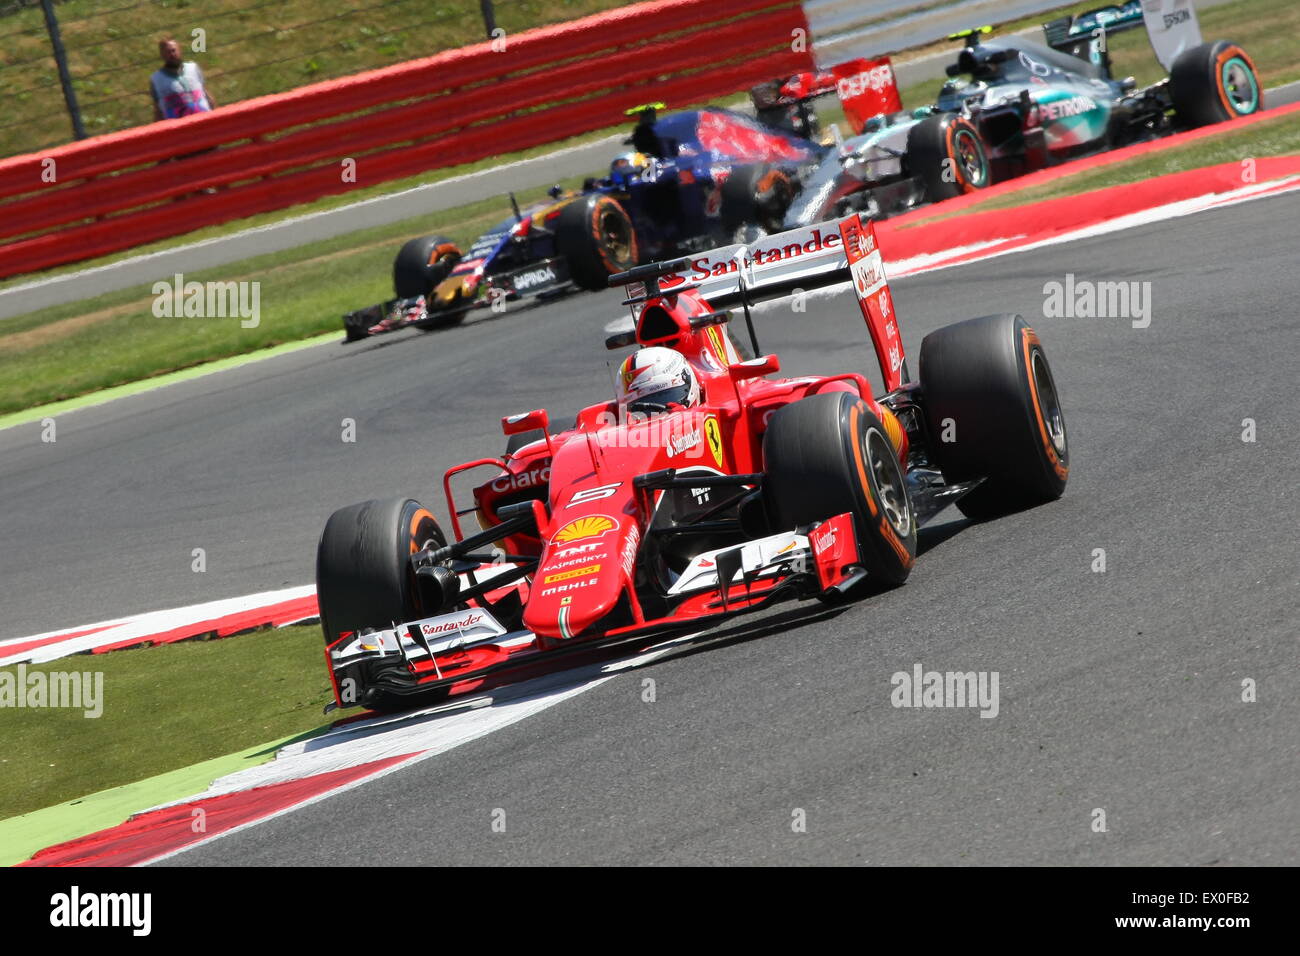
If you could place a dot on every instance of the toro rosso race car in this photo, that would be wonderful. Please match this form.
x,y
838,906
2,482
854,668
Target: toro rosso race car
x,y
692,181
726,490
1013,105
541,251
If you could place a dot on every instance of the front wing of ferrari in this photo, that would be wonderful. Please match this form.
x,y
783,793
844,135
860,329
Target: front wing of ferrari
x,y
458,649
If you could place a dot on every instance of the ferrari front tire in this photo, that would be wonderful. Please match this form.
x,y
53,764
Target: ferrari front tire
x,y
364,577
993,412
829,454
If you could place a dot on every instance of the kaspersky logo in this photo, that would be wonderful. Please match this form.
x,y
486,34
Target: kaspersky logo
x,y
592,526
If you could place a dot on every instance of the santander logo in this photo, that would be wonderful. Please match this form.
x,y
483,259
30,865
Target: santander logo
x,y
768,252
459,624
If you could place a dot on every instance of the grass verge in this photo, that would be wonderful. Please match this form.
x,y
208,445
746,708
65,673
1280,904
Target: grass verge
x,y
164,708
115,338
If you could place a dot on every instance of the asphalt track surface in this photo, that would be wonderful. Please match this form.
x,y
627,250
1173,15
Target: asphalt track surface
x,y
1119,690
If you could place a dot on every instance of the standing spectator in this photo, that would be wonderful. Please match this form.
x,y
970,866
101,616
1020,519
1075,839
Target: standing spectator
x,y
177,88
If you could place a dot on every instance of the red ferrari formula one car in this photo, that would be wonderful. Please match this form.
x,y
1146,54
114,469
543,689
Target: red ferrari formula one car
x,y
742,490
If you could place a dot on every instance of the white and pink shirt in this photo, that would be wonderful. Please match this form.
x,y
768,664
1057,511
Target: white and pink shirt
x,y
179,93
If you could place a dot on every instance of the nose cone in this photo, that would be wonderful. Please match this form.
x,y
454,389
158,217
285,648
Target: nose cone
x,y
580,578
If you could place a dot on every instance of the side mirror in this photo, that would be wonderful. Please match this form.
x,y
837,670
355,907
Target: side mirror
x,y
526,422
620,340
698,322
754,368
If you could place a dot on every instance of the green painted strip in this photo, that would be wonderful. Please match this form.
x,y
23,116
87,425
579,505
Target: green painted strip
x,y
103,396
24,835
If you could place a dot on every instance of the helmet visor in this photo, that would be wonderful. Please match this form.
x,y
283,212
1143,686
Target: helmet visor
x,y
660,400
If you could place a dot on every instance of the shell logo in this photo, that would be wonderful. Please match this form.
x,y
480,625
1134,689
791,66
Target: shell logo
x,y
592,526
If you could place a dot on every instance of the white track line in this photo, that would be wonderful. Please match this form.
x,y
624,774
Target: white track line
x,y
144,625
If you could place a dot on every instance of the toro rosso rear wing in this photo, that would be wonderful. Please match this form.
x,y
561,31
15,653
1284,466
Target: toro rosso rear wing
x,y
1171,27
799,260
866,88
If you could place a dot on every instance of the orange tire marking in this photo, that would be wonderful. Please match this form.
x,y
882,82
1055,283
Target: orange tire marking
x,y
1028,340
1223,58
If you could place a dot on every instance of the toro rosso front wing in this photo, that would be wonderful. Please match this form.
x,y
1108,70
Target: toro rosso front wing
x,y
458,294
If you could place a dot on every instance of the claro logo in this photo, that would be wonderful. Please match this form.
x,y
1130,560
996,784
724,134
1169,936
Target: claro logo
x,y
525,479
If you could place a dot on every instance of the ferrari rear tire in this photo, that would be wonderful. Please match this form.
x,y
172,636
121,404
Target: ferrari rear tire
x,y
594,234
421,264
947,154
829,454
363,574
1214,82
992,411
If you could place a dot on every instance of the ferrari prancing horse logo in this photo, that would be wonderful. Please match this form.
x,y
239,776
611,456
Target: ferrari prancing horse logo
x,y
714,437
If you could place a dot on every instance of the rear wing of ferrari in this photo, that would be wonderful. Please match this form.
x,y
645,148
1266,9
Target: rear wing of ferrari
x,y
1171,27
807,258
800,260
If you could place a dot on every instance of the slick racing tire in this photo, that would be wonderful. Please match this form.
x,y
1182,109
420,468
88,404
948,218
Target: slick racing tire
x,y
992,410
421,264
828,454
594,234
363,574
946,153
756,195
1214,82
